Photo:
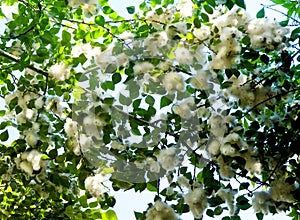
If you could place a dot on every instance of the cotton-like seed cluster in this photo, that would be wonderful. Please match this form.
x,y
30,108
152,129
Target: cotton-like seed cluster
x,y
228,49
31,137
185,8
201,80
94,185
79,49
55,104
183,56
250,96
253,165
60,71
23,99
77,3
225,168
89,7
39,102
217,125
173,82
225,33
227,195
143,67
235,17
117,146
204,112
31,161
203,33
154,42
281,190
166,17
230,140
261,202
71,130
197,201
184,108
183,181
168,158
161,211
176,28
154,165
264,32
104,58
92,125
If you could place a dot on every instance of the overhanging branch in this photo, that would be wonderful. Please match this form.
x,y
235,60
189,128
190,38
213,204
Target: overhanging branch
x,y
17,60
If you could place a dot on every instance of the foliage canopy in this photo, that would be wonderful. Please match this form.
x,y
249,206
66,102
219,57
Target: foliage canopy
x,y
197,93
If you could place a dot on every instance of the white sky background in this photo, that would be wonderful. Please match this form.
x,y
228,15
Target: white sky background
x,y
130,201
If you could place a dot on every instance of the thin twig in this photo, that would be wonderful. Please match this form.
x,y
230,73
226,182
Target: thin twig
x,y
273,9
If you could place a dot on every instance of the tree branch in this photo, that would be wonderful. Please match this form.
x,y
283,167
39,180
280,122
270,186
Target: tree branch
x,y
273,9
18,60
268,99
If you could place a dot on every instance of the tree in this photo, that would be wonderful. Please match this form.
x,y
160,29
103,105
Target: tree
x,y
198,93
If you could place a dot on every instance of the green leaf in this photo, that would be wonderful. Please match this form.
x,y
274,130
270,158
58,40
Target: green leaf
x,y
99,19
204,17
66,37
42,52
2,113
261,13
208,9
130,9
244,186
93,204
3,125
226,84
143,28
159,11
83,201
264,58
295,34
240,3
259,216
152,186
10,86
242,203
116,78
107,10
4,136
108,85
139,215
218,210
278,1
150,100
155,2
197,22
109,215
165,101
124,100
165,3
211,2
136,103
210,213
284,23
108,101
